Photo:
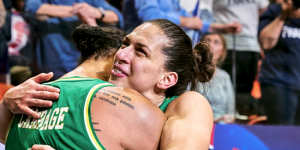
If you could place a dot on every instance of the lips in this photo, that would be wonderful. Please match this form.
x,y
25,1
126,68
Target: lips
x,y
118,71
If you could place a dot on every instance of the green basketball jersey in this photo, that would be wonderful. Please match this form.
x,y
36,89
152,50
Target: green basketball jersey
x,y
66,125
163,107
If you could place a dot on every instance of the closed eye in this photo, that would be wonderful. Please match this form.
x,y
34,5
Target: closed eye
x,y
141,51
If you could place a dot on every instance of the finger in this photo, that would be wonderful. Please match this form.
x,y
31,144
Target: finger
x,y
45,95
28,111
47,88
39,103
42,77
41,147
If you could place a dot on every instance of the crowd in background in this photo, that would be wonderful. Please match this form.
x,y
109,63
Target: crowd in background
x,y
253,41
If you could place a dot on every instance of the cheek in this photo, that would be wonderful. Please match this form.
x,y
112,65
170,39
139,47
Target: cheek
x,y
146,72
218,51
144,69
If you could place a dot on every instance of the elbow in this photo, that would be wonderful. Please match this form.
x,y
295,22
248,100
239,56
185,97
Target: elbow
x,y
267,42
115,18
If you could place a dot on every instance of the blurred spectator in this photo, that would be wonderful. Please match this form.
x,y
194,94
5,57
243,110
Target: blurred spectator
x,y
19,47
220,92
243,48
3,46
137,11
203,10
54,49
16,42
280,71
2,13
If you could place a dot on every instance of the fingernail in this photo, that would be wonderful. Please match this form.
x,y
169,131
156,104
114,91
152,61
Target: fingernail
x,y
37,117
57,95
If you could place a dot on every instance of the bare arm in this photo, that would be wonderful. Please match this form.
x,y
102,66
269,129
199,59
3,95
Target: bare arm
x,y
55,10
128,120
6,117
189,123
270,34
234,27
88,14
124,119
191,22
110,17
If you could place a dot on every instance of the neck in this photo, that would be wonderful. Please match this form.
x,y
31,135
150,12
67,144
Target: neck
x,y
156,98
92,68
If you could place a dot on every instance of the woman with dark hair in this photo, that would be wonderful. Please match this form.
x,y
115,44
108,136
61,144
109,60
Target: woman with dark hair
x,y
87,106
158,61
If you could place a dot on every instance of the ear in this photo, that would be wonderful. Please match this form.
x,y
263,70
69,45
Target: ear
x,y
168,80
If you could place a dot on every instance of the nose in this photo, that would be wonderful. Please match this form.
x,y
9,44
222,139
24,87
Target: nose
x,y
124,55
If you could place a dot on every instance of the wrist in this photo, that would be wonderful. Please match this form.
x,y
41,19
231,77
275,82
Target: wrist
x,y
102,15
183,21
4,108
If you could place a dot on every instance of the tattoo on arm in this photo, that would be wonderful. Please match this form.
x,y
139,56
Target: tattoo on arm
x,y
114,98
96,126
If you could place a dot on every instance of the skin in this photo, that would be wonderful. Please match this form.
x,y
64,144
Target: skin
x,y
270,34
189,123
190,113
191,22
2,13
89,14
140,60
114,123
85,12
125,119
233,28
217,48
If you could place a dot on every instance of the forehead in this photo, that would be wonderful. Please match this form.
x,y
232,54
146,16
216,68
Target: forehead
x,y
213,36
149,35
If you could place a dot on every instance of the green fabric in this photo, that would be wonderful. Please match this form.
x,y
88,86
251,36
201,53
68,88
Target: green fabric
x,y
166,102
62,126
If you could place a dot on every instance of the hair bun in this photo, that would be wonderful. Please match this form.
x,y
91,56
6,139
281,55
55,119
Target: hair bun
x,y
204,67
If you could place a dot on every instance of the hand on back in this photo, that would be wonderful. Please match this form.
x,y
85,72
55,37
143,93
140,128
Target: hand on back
x,y
24,97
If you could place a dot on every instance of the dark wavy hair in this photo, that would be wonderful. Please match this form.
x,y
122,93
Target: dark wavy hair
x,y
97,41
191,65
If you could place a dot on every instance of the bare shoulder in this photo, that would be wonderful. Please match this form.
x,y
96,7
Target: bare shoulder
x,y
120,112
129,99
189,102
190,114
